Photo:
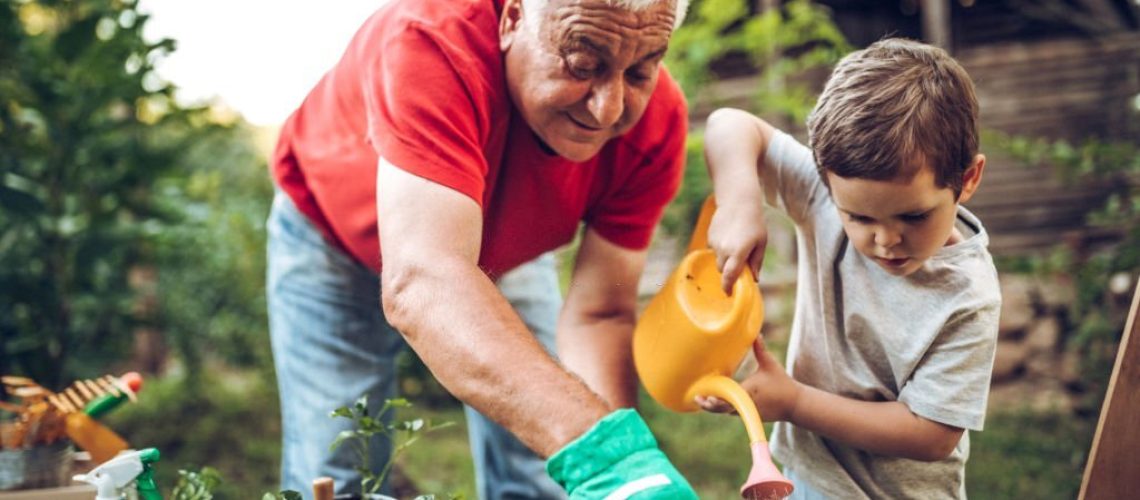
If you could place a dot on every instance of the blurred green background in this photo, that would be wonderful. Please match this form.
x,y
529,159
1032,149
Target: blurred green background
x,y
132,238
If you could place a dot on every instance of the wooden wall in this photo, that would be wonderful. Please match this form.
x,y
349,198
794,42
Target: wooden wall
x,y
1068,88
1072,89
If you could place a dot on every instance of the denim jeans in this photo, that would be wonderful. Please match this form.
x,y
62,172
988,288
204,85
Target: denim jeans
x,y
332,344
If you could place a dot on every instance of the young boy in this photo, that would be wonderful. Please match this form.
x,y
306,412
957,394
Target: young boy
x,y
897,303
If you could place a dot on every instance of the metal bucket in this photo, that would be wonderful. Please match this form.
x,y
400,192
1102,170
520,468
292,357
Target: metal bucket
x,y
37,467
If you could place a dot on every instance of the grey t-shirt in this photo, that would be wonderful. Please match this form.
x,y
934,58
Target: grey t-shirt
x,y
926,340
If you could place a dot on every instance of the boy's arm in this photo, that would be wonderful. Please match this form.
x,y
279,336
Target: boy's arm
x,y
883,427
735,145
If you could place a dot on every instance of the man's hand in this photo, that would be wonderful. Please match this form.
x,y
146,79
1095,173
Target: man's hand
x,y
775,393
618,459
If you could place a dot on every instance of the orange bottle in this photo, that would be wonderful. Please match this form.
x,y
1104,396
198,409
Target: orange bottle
x,y
102,443
88,434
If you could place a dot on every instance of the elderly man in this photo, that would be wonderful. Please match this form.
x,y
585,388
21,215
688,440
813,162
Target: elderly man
x,y
451,148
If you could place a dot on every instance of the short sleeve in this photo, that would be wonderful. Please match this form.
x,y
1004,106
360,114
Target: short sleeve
x,y
790,178
422,116
952,382
628,215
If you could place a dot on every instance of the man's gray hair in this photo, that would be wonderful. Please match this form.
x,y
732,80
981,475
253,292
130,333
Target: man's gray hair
x,y
681,7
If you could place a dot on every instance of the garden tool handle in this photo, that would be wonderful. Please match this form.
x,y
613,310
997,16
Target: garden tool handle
x,y
323,488
727,389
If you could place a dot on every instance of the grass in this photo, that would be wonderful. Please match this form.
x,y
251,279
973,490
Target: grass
x,y
234,427
1019,455
1028,455
709,450
440,462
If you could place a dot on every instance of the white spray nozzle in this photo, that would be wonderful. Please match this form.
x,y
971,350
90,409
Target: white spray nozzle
x,y
113,476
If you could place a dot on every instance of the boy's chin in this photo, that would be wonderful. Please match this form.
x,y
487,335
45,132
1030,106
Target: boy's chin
x,y
899,268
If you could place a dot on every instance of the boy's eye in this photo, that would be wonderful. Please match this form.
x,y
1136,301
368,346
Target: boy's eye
x,y
862,219
913,218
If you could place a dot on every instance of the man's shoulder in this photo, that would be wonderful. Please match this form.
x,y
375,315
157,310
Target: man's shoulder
x,y
466,29
439,14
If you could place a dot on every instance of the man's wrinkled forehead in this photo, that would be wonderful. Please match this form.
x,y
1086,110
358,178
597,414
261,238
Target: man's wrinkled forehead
x,y
603,22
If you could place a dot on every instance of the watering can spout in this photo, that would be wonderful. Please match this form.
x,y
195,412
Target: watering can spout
x,y
728,390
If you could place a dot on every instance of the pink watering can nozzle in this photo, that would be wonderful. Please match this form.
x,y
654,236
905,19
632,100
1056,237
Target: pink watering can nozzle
x,y
764,481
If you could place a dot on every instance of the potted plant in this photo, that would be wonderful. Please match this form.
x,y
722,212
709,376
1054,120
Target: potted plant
x,y
401,434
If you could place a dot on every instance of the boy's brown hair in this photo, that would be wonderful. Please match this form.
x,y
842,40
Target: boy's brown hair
x,y
894,107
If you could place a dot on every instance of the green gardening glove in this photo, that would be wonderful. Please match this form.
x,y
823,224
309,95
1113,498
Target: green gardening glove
x,y
617,459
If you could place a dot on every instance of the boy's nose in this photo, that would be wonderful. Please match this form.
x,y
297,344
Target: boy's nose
x,y
887,238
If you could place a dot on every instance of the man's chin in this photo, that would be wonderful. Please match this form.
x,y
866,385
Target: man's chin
x,y
577,152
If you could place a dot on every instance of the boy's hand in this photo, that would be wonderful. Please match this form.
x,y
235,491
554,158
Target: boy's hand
x,y
618,458
738,233
771,388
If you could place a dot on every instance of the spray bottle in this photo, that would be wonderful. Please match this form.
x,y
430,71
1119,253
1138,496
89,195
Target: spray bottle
x,y
114,477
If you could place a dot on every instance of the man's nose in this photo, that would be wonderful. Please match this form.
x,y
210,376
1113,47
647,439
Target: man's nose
x,y
607,102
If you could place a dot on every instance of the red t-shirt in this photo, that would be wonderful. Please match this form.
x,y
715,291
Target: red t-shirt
x,y
422,84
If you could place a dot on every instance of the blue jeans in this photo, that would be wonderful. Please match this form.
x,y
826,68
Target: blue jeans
x,y
332,344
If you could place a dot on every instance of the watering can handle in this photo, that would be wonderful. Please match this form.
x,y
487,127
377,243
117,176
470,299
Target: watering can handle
x,y
700,238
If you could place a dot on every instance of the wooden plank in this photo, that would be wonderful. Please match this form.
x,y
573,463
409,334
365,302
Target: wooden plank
x,y
998,54
936,23
1111,472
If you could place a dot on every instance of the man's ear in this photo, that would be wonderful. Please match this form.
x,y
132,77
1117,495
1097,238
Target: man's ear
x,y
510,22
972,178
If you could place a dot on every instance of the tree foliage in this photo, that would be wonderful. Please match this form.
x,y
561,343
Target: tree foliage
x,y
783,46
105,182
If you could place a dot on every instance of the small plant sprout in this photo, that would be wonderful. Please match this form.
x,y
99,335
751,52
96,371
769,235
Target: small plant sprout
x,y
401,434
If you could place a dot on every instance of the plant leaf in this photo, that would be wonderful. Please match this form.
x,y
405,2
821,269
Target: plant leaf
x,y
341,437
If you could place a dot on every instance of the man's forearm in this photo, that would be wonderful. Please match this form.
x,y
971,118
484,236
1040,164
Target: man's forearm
x,y
600,351
477,347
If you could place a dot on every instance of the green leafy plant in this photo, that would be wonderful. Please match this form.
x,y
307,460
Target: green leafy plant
x,y
201,485
198,485
401,434
784,46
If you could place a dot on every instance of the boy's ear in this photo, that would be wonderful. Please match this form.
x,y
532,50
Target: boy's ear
x,y
972,178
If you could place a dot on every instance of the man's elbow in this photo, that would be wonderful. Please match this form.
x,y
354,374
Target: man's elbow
x,y
397,297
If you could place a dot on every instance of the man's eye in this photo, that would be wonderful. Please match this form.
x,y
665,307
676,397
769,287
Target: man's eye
x,y
638,74
581,67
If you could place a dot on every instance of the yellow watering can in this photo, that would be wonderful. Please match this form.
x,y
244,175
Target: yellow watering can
x,y
692,337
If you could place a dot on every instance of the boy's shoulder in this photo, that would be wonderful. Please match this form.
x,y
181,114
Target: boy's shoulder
x,y
958,279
